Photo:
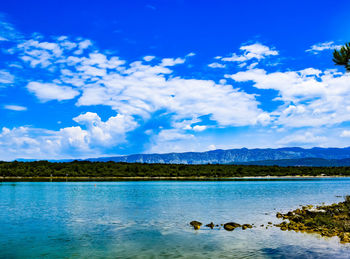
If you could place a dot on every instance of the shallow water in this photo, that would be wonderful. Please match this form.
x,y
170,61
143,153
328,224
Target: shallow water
x,y
151,219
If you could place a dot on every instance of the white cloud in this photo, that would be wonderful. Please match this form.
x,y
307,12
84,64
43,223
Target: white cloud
x,y
216,65
106,133
212,147
148,58
82,46
169,62
303,138
138,90
199,127
258,51
6,78
310,97
172,140
97,133
27,142
173,135
15,107
254,51
8,31
48,91
39,53
345,134
319,47
191,54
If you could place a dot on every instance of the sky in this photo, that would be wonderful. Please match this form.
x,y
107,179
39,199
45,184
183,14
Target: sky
x,y
83,79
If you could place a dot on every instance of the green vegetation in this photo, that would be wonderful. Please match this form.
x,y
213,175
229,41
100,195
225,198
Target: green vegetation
x,y
332,220
113,169
342,57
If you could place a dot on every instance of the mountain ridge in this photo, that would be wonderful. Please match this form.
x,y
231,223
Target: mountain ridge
x,y
230,156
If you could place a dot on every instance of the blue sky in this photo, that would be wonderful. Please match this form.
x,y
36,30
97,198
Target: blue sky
x,y
109,78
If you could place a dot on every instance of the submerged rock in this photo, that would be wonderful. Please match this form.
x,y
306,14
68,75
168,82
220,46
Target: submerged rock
x,y
196,224
231,226
210,225
245,226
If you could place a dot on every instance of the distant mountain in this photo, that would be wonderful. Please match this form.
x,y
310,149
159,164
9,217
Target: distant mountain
x,y
236,156
317,162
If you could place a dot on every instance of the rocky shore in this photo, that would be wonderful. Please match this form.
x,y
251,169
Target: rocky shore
x,y
329,220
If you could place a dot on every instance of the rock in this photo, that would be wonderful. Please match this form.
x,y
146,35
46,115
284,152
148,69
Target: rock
x,y
279,215
245,226
196,224
345,237
210,225
231,226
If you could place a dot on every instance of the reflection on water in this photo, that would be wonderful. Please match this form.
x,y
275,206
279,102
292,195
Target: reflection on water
x,y
150,219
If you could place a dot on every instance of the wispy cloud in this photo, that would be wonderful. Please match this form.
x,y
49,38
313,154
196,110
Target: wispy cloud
x,y
6,78
7,31
15,107
319,47
216,65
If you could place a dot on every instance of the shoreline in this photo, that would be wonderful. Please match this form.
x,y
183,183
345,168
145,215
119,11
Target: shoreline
x,y
150,178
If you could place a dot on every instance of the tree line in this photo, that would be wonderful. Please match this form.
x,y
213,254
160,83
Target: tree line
x,y
114,169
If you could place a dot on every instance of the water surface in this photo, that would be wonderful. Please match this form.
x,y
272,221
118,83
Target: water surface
x,y
150,219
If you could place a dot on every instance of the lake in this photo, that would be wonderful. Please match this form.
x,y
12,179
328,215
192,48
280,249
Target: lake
x,y
150,219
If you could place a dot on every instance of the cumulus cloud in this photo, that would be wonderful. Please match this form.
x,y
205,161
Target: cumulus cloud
x,y
319,47
15,107
89,139
48,91
106,133
310,97
136,91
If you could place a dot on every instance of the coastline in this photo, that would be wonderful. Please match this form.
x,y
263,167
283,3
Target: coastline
x,y
149,178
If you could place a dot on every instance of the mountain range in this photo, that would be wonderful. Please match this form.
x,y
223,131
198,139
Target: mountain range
x,y
291,156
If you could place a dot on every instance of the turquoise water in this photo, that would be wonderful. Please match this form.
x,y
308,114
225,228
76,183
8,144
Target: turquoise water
x,y
151,219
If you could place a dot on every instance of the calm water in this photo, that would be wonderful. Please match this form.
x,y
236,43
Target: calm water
x,y
150,219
